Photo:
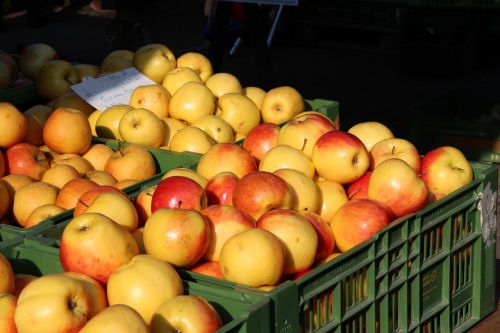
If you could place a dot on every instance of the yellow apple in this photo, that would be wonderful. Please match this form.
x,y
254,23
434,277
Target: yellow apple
x,y
100,177
263,255
55,78
15,182
191,102
143,205
13,125
117,207
107,123
172,126
216,127
115,65
238,111
144,283
131,162
153,97
197,62
94,289
139,238
76,161
281,104
40,112
93,120
53,303
185,172
33,57
7,280
8,304
223,83
333,196
256,94
42,213
395,148
30,197
86,70
72,101
287,157
307,196
143,127
118,318
22,281
191,139
98,154
177,77
155,61
125,55
371,132
223,157
59,174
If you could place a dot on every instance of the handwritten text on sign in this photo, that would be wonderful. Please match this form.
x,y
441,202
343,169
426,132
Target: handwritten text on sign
x,y
112,89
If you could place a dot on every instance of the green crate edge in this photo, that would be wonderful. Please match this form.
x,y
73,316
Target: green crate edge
x,y
240,313
164,161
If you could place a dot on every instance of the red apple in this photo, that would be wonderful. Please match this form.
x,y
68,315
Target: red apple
x,y
178,192
358,220
326,241
226,221
261,139
69,194
358,189
220,188
210,268
226,157
261,191
395,148
143,204
26,159
87,198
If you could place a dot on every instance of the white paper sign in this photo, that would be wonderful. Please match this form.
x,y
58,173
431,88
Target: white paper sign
x,y
112,89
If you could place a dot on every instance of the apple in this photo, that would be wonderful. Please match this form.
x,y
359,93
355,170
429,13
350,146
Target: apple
x,y
359,188
69,194
42,213
98,154
87,70
67,131
298,236
328,258
172,126
238,111
197,62
8,304
115,64
34,134
108,122
53,303
154,60
100,177
210,268
371,132
261,139
177,77
93,120
223,157
30,197
226,222
143,127
59,174
259,192
139,238
187,314
153,97
444,170
191,139
395,148
220,188
2,165
40,113
15,182
256,94
333,196
223,83
79,163
88,197
49,154
13,125
178,192
33,57
343,150
307,195
326,240
121,54
281,104
55,78
7,282
8,70
191,102
358,220
143,204
122,184
144,283
261,252
395,184
186,172
71,100
5,199
95,245
287,157
216,127
131,162
117,318
21,281
117,207
177,236
95,291
26,159
303,130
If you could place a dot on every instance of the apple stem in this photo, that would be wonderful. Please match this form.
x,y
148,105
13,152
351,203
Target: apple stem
x,y
304,144
393,150
71,304
458,169
179,204
120,148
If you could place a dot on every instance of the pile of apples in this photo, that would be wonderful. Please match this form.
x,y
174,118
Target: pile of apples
x,y
74,302
46,167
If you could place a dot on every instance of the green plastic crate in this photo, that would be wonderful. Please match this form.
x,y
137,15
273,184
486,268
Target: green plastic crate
x,y
327,107
433,271
164,161
459,118
239,313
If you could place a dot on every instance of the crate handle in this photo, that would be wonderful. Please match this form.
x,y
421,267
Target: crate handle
x,y
487,215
